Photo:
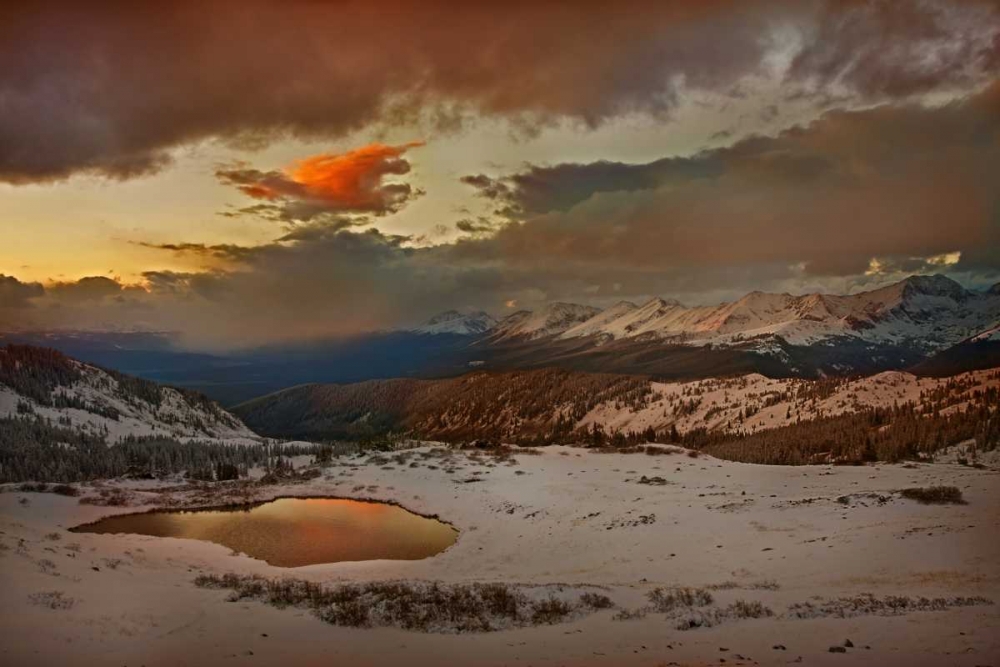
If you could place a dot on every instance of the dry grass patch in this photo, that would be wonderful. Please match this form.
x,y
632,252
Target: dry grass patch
x,y
667,601
416,606
52,600
706,618
935,495
870,605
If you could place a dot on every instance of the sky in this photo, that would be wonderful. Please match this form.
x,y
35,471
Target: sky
x,y
244,173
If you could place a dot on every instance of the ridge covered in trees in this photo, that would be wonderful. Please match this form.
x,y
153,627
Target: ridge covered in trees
x,y
545,407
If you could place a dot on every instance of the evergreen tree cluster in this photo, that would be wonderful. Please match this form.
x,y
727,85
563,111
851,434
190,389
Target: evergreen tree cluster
x,y
35,372
34,449
875,434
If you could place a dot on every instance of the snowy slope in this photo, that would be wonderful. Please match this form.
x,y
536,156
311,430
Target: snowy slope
x,y
454,322
597,324
752,403
553,319
111,406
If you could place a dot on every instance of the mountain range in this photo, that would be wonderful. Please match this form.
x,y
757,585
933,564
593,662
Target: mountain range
x,y
929,325
896,326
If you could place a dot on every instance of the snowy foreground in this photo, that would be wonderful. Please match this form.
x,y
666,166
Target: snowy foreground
x,y
774,535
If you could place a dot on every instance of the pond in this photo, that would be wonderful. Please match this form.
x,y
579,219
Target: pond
x,y
292,532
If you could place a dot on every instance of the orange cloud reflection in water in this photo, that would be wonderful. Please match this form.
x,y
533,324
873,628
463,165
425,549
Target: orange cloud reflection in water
x,y
292,532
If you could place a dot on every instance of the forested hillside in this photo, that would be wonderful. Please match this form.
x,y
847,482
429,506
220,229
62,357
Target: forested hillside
x,y
750,418
62,420
518,405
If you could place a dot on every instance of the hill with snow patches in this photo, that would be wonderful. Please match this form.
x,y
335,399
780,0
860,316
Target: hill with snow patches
x,y
552,405
90,401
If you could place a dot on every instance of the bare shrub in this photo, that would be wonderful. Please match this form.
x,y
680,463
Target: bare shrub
x,y
550,611
706,618
52,600
667,601
631,614
596,601
935,495
870,605
763,585
744,609
33,487
47,566
108,498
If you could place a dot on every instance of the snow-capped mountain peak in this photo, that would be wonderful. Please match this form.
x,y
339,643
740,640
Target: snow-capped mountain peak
x,y
553,319
454,322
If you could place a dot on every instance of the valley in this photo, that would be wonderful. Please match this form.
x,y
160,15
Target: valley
x,y
597,518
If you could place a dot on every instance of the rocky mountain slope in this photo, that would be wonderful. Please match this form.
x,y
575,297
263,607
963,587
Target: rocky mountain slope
x,y
91,402
552,320
928,311
454,322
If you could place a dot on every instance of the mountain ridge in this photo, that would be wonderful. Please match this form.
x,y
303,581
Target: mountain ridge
x,y
929,312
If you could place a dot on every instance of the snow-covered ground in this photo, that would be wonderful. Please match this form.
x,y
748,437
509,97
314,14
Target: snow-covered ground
x,y
563,515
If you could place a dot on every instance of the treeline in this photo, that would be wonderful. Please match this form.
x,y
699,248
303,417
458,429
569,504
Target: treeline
x,y
898,433
874,434
35,372
518,406
34,449
523,407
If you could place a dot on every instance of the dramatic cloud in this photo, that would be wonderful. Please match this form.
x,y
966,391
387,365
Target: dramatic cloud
x,y
91,288
111,88
15,295
889,48
851,201
896,174
352,182
889,182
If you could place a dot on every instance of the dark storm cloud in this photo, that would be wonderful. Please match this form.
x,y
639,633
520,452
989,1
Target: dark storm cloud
x,y
888,48
893,181
111,88
91,288
560,187
16,294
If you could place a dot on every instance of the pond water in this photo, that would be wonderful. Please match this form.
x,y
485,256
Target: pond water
x,y
291,532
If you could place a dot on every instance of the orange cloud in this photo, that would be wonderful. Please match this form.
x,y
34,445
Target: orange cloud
x,y
353,179
352,182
